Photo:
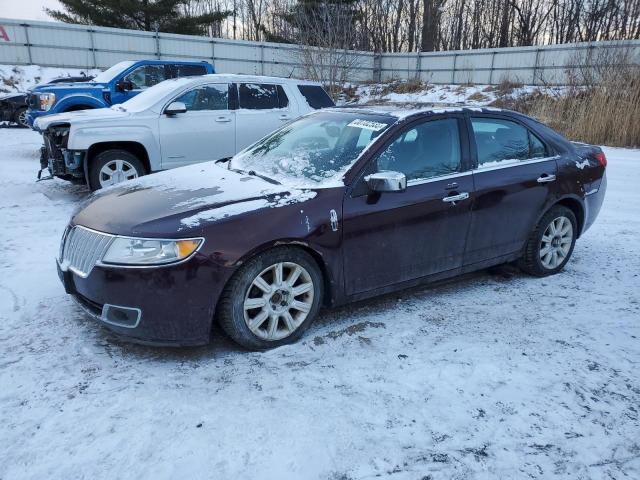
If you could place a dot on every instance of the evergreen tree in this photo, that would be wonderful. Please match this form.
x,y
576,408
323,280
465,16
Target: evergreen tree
x,y
162,15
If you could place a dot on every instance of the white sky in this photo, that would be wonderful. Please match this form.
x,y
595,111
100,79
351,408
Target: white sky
x,y
27,9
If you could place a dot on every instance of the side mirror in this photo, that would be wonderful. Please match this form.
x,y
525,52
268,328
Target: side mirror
x,y
386,181
124,85
175,108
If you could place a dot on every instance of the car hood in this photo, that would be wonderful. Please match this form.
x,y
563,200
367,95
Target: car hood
x,y
75,87
8,96
181,202
96,114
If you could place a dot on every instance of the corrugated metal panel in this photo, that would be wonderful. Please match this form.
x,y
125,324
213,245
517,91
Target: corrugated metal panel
x,y
63,45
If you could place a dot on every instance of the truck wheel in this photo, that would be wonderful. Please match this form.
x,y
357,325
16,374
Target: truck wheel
x,y
20,117
114,166
551,243
272,299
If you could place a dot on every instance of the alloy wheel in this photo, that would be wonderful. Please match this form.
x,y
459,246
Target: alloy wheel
x,y
556,242
22,118
278,301
116,171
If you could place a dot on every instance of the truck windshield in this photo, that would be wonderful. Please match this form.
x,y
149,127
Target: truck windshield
x,y
316,150
112,72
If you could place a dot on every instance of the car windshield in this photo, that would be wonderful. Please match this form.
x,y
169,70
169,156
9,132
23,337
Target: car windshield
x,y
111,73
152,95
314,150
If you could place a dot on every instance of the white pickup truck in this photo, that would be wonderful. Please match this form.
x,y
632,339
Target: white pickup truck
x,y
172,124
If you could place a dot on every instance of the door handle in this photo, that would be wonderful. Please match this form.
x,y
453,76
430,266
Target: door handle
x,y
456,198
285,117
223,119
545,178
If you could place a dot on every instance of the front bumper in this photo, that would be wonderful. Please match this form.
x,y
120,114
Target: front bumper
x,y
176,304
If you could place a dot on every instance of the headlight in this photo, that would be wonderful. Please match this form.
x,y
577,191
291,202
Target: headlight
x,y
145,251
47,100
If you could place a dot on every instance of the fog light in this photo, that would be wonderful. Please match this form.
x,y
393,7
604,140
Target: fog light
x,y
121,316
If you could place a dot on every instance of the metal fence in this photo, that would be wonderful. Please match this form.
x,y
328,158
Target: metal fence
x,y
78,46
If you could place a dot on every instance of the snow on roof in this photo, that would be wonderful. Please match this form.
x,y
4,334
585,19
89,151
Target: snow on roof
x,y
237,77
402,113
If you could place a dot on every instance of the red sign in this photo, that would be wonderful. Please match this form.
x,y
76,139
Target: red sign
x,y
3,34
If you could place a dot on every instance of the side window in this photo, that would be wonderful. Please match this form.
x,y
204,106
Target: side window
x,y
146,76
427,150
315,96
206,97
258,96
504,141
189,70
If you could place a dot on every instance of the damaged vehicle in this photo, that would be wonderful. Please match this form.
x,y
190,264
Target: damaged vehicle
x,y
175,123
14,106
340,205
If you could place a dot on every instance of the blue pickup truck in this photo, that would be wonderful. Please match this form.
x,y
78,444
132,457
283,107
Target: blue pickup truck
x,y
118,84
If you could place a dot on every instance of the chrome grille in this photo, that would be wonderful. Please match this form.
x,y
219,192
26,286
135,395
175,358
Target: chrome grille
x,y
83,248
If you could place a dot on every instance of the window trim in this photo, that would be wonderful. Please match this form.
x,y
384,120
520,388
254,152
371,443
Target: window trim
x,y
479,169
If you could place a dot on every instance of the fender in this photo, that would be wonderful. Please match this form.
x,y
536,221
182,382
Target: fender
x,y
72,101
307,225
566,198
83,138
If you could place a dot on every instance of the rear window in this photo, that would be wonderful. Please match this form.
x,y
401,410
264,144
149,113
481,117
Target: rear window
x,y
189,70
315,96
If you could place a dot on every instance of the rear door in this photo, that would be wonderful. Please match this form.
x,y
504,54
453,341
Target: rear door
x,y
391,238
515,178
206,131
262,108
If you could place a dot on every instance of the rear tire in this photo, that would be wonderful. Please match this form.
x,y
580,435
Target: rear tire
x,y
20,117
272,299
551,243
112,167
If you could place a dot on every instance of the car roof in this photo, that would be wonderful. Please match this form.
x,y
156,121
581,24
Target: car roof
x,y
402,113
238,77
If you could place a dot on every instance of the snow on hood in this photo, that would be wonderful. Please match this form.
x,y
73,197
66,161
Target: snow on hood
x,y
42,123
182,199
6,96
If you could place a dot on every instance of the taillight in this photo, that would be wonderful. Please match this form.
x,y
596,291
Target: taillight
x,y
600,156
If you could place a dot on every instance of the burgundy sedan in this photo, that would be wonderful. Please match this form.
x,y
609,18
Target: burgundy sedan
x,y
340,205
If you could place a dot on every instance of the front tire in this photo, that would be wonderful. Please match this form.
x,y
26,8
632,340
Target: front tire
x,y
551,243
272,299
20,117
112,167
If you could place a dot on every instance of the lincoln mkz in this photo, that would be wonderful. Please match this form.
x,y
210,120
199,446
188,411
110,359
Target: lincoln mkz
x,y
337,206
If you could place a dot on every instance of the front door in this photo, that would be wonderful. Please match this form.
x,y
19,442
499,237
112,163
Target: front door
x,y
391,238
141,78
206,131
514,180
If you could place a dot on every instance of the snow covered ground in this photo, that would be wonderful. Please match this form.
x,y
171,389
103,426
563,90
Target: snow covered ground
x,y
497,375
396,93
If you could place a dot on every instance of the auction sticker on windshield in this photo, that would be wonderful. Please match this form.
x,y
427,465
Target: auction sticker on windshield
x,y
367,124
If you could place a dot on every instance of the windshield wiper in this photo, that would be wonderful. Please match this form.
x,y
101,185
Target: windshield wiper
x,y
253,173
